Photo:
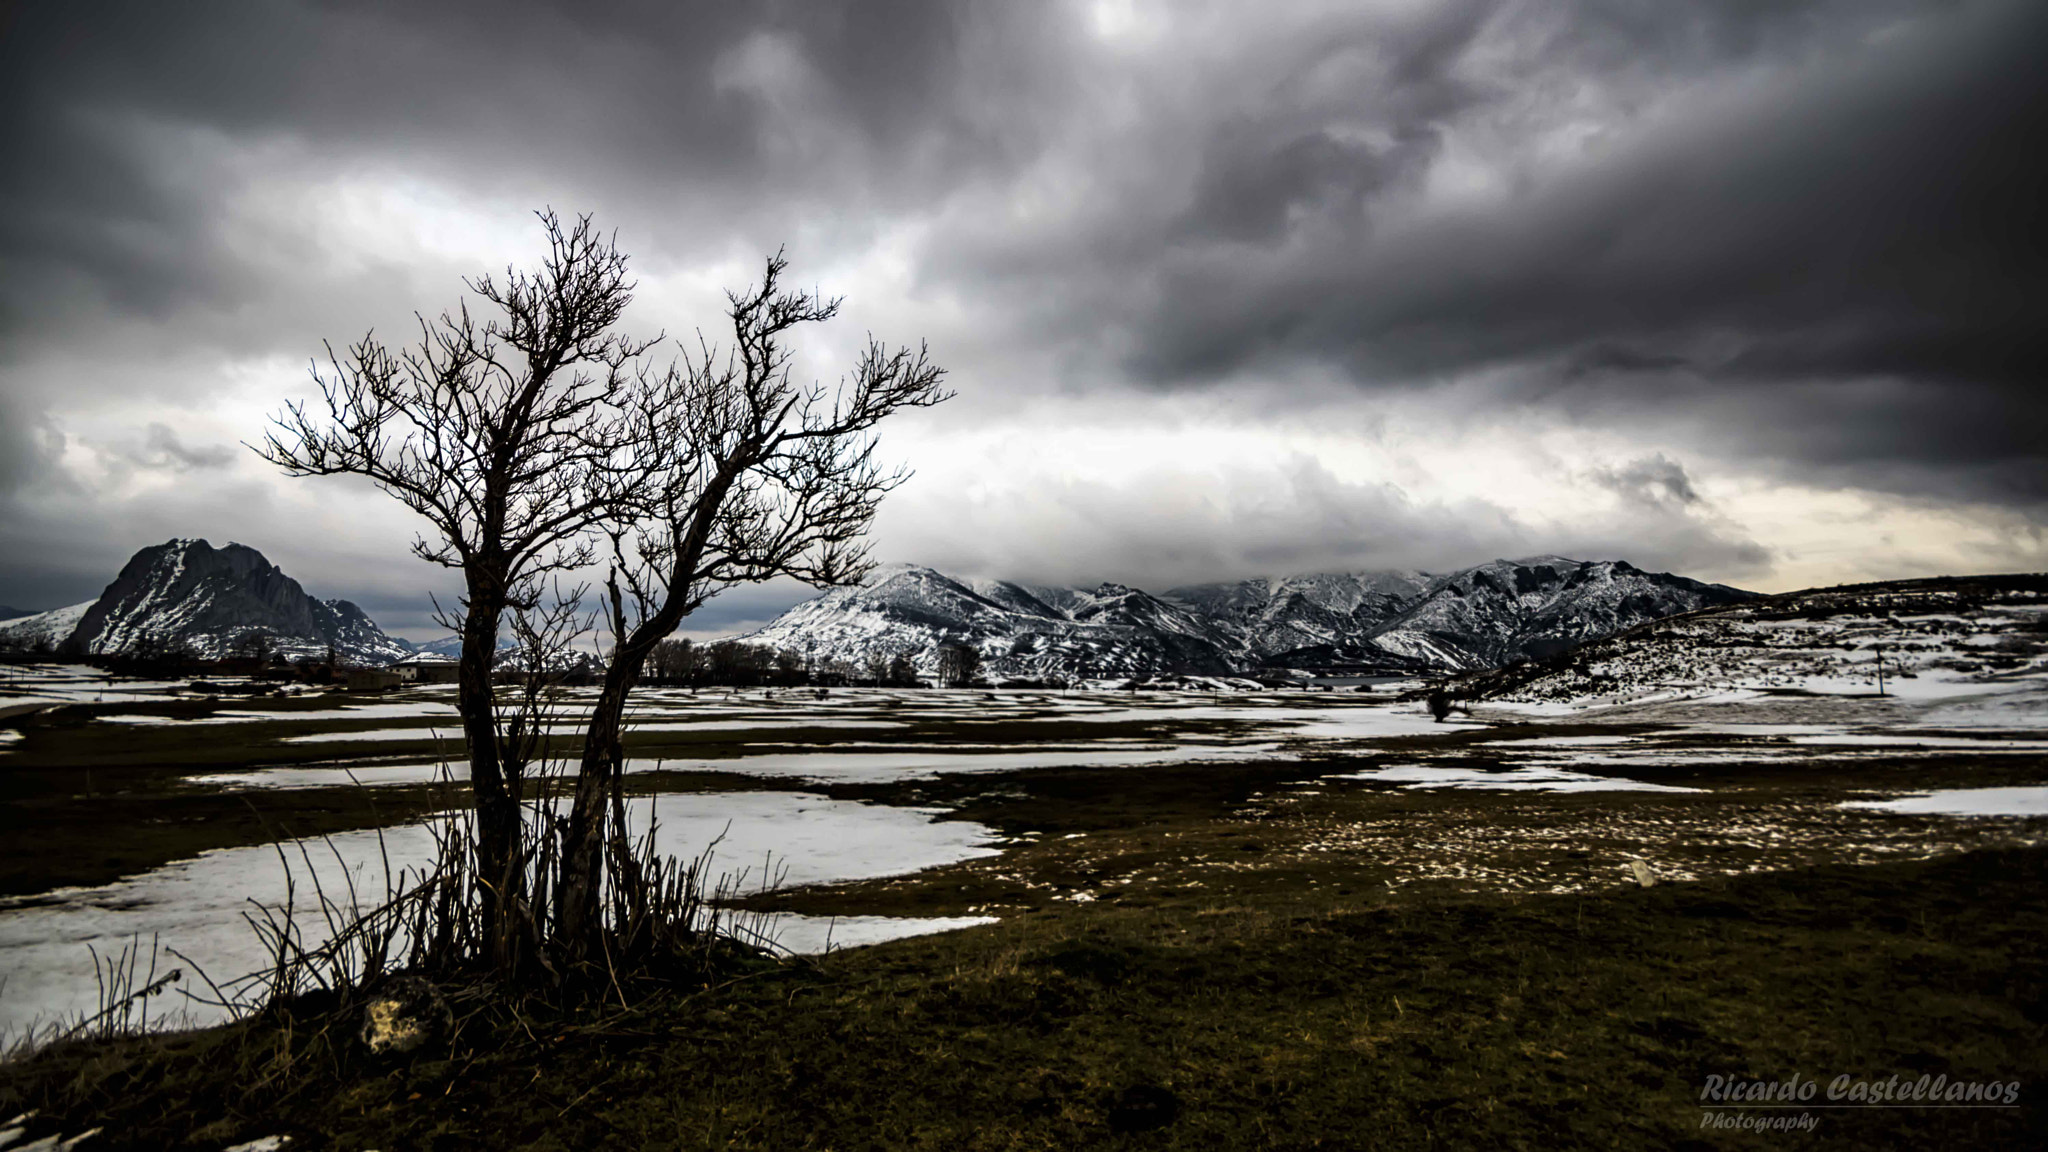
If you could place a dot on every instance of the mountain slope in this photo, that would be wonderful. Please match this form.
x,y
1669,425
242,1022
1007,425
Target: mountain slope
x,y
1508,610
1951,643
1275,616
1111,631
208,599
1363,621
43,631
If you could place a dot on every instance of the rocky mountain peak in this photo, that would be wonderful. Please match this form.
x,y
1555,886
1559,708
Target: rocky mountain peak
x,y
209,599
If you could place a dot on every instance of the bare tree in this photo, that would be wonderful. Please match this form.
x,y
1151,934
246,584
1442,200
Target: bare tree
x,y
255,646
530,439
676,660
759,476
1439,701
511,436
959,664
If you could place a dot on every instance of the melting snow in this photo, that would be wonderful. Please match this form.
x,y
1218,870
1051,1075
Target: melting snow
x,y
2017,801
1515,779
196,905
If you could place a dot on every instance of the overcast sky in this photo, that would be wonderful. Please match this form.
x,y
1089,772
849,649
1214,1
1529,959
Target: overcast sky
x,y
1752,291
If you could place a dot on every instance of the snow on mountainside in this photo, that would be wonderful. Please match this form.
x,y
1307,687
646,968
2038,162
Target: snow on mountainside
x,y
208,599
1966,650
1366,621
1508,610
1276,616
1111,631
43,631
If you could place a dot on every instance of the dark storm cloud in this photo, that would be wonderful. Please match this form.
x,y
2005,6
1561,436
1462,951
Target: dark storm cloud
x,y
1657,481
162,448
1855,244
29,446
132,270
1804,237
1201,521
648,105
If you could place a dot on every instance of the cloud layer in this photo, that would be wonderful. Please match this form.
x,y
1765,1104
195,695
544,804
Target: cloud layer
x,y
1753,291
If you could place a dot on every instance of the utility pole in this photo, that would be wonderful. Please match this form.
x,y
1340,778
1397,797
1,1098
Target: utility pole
x,y
1880,669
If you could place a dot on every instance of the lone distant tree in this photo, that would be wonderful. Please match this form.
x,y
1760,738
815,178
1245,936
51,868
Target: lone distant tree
x,y
1440,703
959,665
255,646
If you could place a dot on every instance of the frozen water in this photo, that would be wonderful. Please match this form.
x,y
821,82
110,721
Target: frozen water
x,y
367,775
445,732
852,762
1560,741
196,905
793,932
1916,740
2026,800
890,764
1514,779
762,724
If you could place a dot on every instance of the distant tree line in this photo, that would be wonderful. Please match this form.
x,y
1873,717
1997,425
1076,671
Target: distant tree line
x,y
157,657
253,653
731,663
25,648
959,666
682,662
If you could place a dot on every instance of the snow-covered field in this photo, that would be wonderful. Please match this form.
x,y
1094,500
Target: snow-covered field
x,y
197,906
1890,660
2017,801
46,684
1531,779
1732,688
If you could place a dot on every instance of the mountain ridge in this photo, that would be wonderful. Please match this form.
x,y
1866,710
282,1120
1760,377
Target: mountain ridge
x,y
1487,615
209,600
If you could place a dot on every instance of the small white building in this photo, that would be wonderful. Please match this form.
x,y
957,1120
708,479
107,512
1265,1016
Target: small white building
x,y
426,668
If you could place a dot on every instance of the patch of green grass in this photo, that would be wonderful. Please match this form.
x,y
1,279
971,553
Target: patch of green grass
x,y
1588,1020
1178,835
1265,959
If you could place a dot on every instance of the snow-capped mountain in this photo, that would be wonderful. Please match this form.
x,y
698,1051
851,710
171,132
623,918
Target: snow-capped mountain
x,y
209,599
1279,615
1020,630
1509,610
1365,621
1975,645
43,631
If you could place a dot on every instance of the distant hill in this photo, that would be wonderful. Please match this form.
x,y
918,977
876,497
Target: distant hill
x,y
209,600
7,613
1934,640
43,631
1359,622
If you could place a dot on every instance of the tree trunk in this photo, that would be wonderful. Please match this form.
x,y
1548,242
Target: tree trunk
x,y
580,870
577,890
499,869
